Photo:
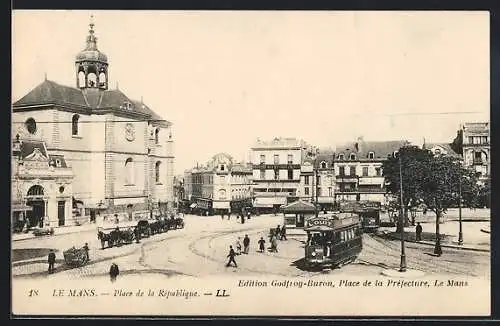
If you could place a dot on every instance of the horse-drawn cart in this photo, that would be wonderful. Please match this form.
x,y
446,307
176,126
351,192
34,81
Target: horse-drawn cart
x,y
75,257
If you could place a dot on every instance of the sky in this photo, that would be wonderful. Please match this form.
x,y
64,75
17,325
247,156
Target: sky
x,y
226,78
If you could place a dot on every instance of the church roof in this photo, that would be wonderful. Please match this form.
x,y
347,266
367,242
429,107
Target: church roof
x,y
49,92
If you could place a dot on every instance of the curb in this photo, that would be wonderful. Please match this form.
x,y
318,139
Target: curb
x,y
429,243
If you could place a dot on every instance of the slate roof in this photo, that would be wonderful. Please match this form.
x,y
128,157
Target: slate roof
x,y
445,146
49,92
381,149
28,146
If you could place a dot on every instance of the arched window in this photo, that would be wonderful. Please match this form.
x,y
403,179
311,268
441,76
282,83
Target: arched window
x,y
157,171
222,194
74,125
341,156
352,156
129,171
371,155
157,135
30,125
81,79
35,190
323,165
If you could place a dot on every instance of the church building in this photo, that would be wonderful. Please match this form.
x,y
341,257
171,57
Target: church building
x,y
119,150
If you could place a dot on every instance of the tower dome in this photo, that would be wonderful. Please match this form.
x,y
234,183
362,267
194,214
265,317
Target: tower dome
x,y
91,64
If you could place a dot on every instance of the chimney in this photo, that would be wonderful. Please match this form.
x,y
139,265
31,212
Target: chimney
x,y
358,144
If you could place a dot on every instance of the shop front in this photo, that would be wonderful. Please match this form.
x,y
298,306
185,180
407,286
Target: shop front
x,y
269,204
221,207
204,206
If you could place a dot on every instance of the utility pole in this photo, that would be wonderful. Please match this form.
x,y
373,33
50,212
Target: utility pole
x,y
460,235
402,265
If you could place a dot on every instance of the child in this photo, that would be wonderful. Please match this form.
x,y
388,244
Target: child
x,y
262,243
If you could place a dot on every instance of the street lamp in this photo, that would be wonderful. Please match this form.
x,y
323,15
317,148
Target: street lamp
x,y
460,235
402,265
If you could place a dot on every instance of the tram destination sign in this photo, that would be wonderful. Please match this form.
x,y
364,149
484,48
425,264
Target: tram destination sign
x,y
321,222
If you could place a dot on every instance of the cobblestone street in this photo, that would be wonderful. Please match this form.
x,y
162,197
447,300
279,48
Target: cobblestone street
x,y
200,249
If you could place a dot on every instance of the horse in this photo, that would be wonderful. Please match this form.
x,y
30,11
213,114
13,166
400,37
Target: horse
x,y
105,237
127,236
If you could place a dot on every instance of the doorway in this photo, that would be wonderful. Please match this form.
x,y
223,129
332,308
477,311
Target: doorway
x,y
60,212
38,211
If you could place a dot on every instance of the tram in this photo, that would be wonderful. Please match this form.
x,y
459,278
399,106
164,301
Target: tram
x,y
333,240
368,211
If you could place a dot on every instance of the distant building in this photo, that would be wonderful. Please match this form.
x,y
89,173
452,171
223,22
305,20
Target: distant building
x,y
322,165
441,149
358,169
473,143
276,168
219,187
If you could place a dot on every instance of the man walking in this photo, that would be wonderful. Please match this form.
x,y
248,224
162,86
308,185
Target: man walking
x,y
231,257
86,247
246,244
52,261
278,231
283,233
418,232
113,272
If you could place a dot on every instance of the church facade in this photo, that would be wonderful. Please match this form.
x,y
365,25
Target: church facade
x,y
119,150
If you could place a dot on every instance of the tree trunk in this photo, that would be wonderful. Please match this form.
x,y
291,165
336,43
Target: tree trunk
x,y
437,249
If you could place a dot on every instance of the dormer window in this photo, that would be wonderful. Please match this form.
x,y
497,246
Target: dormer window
x,y
58,163
371,155
395,154
126,105
352,156
222,167
341,156
323,165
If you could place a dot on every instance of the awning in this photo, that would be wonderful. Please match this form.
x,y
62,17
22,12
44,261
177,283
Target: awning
x,y
18,207
221,204
259,201
193,205
258,205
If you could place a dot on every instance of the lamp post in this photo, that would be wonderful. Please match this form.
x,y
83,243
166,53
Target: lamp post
x,y
402,265
460,235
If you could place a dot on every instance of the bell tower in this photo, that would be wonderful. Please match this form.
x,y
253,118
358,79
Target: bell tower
x,y
91,64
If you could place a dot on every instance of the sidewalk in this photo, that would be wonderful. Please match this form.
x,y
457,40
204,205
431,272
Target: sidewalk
x,y
474,238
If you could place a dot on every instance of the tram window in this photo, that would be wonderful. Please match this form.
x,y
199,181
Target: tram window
x,y
342,236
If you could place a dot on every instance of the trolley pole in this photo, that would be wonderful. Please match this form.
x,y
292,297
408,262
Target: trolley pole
x,y
316,187
402,265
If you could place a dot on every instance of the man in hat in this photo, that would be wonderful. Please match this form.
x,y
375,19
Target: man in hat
x,y
231,257
51,261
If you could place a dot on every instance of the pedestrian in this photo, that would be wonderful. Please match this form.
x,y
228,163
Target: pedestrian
x,y
274,244
283,233
278,231
137,234
238,246
86,247
117,220
51,261
222,215
228,215
246,244
41,222
248,215
114,271
231,257
418,232
262,244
